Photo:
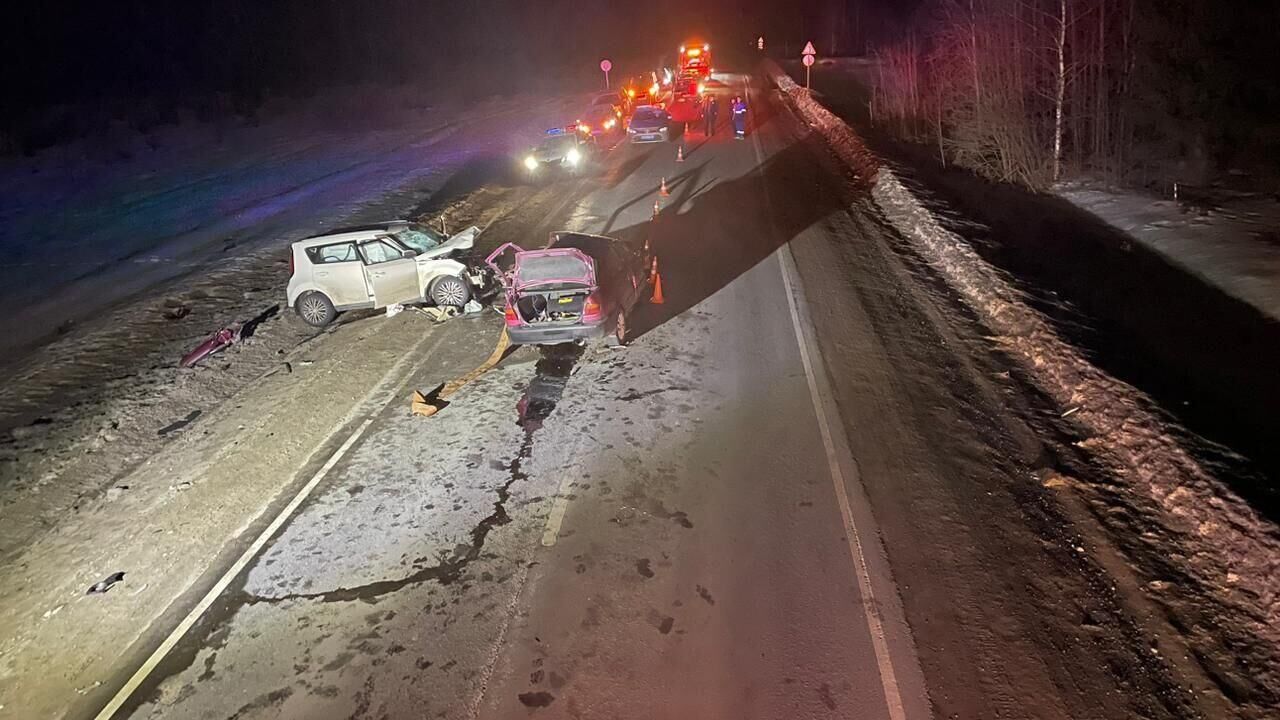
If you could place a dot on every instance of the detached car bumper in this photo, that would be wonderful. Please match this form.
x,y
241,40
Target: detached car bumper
x,y
548,334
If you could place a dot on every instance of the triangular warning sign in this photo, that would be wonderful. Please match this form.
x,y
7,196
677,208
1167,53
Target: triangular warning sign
x,y
808,49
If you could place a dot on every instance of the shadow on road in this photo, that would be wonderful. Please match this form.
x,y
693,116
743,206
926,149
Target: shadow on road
x,y
707,235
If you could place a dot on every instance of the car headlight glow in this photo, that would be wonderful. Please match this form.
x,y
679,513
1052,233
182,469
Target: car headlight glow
x,y
531,162
608,124
573,156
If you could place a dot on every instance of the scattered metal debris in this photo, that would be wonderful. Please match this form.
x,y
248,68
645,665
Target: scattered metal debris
x,y
105,584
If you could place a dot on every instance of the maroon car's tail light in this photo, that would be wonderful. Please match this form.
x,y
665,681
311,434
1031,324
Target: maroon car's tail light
x,y
591,310
513,320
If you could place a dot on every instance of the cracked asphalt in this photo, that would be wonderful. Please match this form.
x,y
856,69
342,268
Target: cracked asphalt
x,y
777,501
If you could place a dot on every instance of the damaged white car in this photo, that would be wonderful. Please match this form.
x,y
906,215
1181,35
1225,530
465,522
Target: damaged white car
x,y
372,266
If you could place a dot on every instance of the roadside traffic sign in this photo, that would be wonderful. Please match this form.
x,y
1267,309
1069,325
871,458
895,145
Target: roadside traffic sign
x,y
606,66
808,54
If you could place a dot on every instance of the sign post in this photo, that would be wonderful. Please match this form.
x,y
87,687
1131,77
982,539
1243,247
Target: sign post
x,y
808,54
605,67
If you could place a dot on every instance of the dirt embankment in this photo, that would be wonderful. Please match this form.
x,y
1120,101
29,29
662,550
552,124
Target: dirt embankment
x,y
1212,562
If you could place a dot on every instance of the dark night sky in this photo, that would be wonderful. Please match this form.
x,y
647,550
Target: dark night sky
x,y
61,51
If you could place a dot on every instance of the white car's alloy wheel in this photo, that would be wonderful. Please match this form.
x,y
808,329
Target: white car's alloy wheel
x,y
450,291
313,309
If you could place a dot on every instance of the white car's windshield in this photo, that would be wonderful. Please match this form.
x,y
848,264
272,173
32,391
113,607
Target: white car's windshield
x,y
561,143
419,238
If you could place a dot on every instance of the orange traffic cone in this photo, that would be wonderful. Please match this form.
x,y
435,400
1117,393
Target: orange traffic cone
x,y
680,154
663,190
657,298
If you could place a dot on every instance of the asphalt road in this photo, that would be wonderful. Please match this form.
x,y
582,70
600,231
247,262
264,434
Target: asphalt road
x,y
799,492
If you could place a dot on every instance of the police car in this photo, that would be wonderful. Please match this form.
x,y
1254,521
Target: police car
x,y
561,150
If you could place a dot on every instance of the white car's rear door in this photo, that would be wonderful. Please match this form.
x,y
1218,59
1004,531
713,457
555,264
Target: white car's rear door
x,y
338,272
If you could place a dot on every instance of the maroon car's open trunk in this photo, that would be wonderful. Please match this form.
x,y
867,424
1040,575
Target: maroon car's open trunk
x,y
560,305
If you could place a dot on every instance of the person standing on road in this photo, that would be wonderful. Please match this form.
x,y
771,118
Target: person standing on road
x,y
710,114
739,117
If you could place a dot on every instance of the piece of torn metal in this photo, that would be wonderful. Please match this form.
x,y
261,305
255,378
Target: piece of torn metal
x,y
217,341
105,584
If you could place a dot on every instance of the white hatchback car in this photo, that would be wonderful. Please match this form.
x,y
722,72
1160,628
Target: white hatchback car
x,y
372,266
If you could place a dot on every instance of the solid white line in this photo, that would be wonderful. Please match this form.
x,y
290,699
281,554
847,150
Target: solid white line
x,y
152,661
888,678
552,531
875,625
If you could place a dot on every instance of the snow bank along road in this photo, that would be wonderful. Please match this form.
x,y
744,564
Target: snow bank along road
x,y
804,490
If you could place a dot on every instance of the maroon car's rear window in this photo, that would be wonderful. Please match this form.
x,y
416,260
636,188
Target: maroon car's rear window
x,y
542,268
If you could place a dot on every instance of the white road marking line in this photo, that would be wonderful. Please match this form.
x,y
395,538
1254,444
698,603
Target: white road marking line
x,y
888,678
875,625
149,665
552,531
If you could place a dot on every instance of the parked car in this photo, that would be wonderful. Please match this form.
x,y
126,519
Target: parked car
x,y
582,287
372,266
649,123
603,115
685,109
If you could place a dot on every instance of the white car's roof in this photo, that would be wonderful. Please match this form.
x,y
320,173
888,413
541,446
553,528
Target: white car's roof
x,y
351,234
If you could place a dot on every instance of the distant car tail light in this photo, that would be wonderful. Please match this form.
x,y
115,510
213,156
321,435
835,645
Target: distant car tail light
x,y
509,314
591,309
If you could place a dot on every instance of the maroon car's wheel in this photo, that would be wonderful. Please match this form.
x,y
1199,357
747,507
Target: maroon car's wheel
x,y
620,328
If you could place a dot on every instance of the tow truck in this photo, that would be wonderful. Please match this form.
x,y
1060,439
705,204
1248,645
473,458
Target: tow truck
x,y
695,58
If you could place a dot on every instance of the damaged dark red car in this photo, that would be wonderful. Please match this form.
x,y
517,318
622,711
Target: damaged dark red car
x,y
579,288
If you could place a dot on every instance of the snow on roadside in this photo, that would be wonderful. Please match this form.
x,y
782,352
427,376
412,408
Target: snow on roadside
x,y
1230,550
1233,244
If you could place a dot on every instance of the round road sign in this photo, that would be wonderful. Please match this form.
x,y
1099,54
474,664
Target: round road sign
x,y
808,60
606,66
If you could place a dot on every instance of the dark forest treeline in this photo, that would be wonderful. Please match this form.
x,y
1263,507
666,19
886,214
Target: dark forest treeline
x,y
1149,92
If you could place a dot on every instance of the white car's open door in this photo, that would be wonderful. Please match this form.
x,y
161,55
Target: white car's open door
x,y
392,276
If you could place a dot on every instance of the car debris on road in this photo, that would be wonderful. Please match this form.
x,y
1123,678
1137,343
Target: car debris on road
x,y
105,584
430,403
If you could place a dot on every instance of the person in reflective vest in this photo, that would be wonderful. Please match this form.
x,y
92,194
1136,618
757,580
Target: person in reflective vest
x,y
739,117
